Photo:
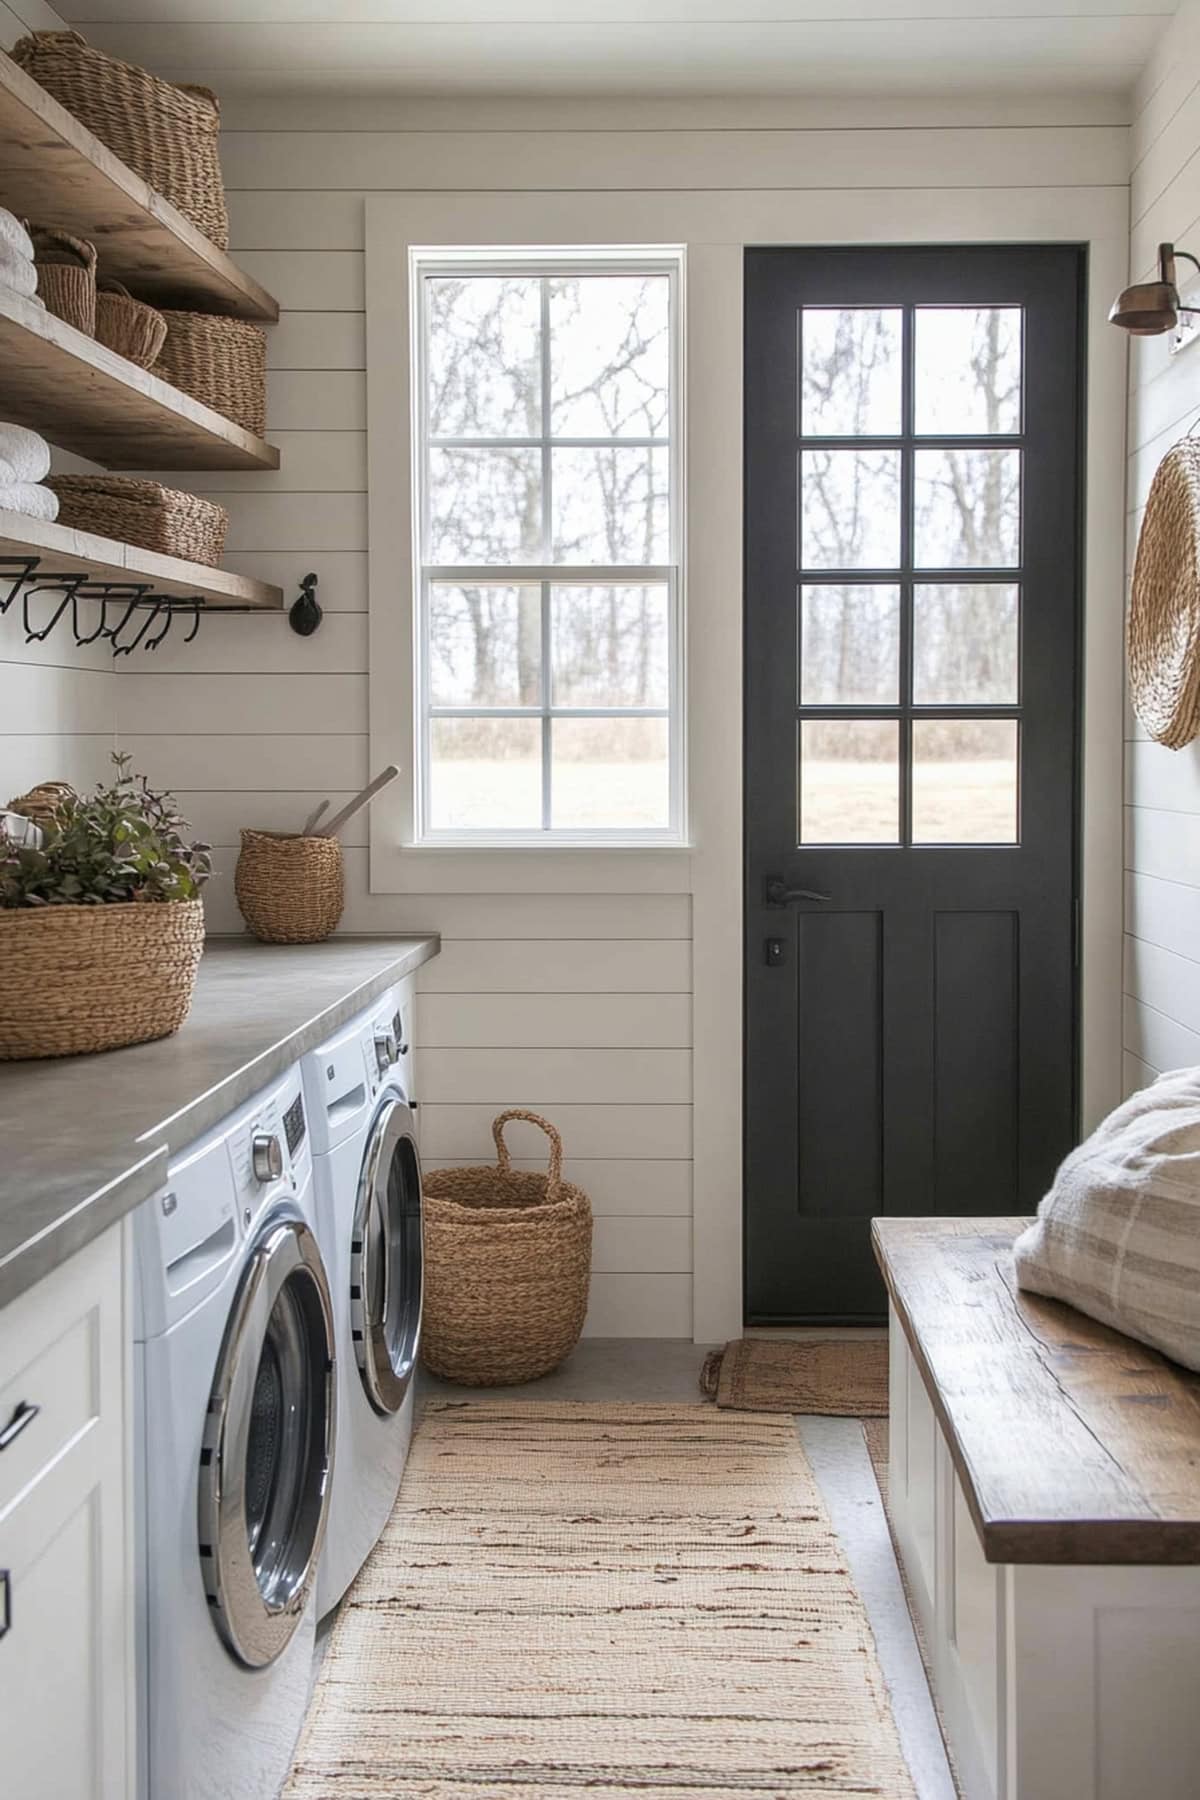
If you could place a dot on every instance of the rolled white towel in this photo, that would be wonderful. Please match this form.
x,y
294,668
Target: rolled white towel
x,y
27,497
17,274
14,236
26,451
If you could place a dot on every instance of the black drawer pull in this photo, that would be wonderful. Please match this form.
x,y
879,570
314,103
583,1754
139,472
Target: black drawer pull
x,y
24,1414
5,1602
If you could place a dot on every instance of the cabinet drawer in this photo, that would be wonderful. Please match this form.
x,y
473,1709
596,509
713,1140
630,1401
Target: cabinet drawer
x,y
62,1382
53,1340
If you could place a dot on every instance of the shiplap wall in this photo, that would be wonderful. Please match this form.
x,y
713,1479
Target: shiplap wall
x,y
1162,942
57,703
577,1005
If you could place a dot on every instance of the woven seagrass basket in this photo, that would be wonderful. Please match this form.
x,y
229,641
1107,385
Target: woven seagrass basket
x,y
221,362
42,802
66,272
1163,629
167,133
507,1261
144,513
289,888
84,978
128,326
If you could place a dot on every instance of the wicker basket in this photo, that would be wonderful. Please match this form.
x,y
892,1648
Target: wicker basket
x,y
1163,623
42,802
166,133
66,270
128,326
83,978
222,362
289,888
143,513
507,1260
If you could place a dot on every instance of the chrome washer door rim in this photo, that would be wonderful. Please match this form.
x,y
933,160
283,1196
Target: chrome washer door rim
x,y
372,1271
258,1627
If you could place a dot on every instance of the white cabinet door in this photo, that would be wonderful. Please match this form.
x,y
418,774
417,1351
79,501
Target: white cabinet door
x,y
65,1504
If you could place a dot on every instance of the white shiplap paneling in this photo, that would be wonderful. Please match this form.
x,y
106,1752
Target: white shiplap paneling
x,y
1162,913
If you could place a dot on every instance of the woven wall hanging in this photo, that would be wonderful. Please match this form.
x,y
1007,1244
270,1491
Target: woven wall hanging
x,y
1164,612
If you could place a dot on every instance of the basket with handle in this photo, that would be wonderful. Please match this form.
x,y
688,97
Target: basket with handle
x,y
66,271
507,1260
128,326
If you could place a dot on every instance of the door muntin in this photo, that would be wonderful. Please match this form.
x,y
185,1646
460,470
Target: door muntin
x,y
268,1443
387,1260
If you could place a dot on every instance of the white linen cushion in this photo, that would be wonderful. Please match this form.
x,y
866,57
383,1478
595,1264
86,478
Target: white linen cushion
x,y
1118,1235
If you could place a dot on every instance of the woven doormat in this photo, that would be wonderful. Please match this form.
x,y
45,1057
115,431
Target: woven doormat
x,y
846,1378
618,1600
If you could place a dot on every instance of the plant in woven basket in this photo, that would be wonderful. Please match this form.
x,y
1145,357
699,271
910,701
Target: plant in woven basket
x,y
125,842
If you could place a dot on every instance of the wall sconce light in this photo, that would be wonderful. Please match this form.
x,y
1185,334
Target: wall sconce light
x,y
1151,307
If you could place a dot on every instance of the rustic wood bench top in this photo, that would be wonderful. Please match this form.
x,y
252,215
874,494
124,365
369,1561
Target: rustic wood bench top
x,y
1073,1444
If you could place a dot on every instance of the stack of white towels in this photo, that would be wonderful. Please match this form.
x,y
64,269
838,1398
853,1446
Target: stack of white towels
x,y
18,272
24,464
24,456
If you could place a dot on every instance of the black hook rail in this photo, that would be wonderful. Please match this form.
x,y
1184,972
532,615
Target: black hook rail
x,y
48,596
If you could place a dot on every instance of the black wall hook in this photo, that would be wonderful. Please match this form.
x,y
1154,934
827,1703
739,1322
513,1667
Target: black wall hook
x,y
305,613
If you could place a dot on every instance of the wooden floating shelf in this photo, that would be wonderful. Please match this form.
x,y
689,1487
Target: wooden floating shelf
x,y
54,171
104,559
86,398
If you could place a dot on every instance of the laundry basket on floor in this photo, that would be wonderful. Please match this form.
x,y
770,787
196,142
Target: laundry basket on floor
x,y
507,1259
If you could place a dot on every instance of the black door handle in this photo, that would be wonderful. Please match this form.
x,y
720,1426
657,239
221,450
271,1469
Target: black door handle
x,y
23,1414
777,892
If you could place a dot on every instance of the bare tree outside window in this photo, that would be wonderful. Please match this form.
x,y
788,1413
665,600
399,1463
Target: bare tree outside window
x,y
548,421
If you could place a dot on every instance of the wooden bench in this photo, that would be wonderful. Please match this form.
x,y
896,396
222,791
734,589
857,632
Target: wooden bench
x,y
1044,1485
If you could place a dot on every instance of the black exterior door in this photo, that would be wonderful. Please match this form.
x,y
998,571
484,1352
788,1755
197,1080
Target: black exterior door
x,y
913,482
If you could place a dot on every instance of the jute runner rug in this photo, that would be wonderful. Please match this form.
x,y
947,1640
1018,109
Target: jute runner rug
x,y
843,1377
631,1601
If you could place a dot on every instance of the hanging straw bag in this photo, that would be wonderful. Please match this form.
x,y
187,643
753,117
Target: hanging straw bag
x,y
507,1259
1163,630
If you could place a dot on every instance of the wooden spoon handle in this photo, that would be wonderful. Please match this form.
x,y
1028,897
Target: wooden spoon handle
x,y
334,825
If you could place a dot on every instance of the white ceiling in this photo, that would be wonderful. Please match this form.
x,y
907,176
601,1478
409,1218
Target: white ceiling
x,y
634,47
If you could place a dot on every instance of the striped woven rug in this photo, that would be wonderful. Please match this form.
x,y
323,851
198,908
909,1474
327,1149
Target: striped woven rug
x,y
626,1600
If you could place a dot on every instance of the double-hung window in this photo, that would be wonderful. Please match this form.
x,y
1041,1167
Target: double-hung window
x,y
549,627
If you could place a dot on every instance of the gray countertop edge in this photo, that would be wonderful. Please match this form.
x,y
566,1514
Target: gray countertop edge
x,y
131,1167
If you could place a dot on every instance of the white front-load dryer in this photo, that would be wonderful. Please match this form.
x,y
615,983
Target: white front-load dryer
x,y
367,1180
236,1408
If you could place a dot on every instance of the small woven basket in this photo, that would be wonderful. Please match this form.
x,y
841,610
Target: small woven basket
x,y
66,270
167,133
1163,628
84,978
42,802
289,888
144,513
128,326
221,362
507,1261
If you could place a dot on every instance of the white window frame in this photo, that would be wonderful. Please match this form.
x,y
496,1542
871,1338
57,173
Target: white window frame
x,y
544,262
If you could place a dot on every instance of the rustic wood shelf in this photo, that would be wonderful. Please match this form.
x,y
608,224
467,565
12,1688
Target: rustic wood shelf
x,y
67,551
53,170
84,397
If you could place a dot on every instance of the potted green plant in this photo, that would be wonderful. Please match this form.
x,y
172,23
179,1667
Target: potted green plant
x,y
101,924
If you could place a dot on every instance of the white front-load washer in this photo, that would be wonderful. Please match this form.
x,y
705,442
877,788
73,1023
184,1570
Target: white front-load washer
x,y
235,1385
367,1180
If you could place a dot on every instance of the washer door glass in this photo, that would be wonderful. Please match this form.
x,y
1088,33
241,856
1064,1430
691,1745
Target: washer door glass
x,y
268,1446
387,1260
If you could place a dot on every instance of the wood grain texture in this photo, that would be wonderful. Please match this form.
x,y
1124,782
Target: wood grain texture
x,y
86,398
54,170
61,548
1073,1443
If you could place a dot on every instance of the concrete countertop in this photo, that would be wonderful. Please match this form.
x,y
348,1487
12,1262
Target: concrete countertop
x,y
84,1139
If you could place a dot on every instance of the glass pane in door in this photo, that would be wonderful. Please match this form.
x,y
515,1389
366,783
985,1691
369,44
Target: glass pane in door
x,y
967,370
966,643
849,509
849,781
850,645
967,509
964,779
850,371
